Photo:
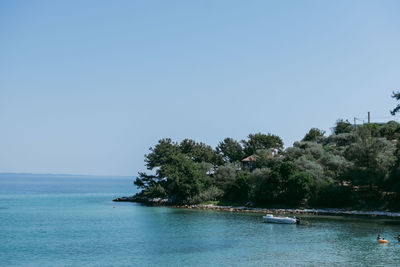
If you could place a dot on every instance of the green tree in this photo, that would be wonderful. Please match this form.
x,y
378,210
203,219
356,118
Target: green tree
x,y
272,183
200,152
393,183
262,141
299,149
230,150
370,129
264,159
314,135
269,189
183,179
395,95
299,187
161,153
342,127
336,165
238,191
372,158
342,139
390,130
311,166
176,174
212,193
259,184
205,168
144,180
155,190
225,175
336,196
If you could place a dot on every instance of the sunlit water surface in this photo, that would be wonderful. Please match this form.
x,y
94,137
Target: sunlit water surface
x,y
53,220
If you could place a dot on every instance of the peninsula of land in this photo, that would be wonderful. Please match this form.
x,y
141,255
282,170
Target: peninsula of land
x,y
356,167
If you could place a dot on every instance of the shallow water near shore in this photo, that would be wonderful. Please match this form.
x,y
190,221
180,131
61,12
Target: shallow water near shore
x,y
53,220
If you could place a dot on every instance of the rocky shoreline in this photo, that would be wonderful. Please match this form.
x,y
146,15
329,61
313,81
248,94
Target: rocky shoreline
x,y
330,212
335,212
144,200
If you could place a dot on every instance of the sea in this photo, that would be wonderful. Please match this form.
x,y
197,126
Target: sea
x,y
68,220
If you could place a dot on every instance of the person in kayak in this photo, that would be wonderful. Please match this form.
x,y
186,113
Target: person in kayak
x,y
379,237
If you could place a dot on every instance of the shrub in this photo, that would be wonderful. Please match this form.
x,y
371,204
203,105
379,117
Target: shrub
x,y
211,194
336,196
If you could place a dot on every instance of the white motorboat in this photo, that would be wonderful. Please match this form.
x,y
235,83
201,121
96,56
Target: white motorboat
x,y
269,218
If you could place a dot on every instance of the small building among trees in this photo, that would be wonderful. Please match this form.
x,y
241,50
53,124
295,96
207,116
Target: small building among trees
x,y
248,161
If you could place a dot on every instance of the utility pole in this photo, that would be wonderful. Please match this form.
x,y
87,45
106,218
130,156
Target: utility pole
x,y
369,117
354,121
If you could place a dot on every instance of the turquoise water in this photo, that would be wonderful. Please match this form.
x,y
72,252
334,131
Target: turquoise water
x,y
50,220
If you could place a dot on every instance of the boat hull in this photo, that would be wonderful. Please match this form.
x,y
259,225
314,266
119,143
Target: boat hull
x,y
279,220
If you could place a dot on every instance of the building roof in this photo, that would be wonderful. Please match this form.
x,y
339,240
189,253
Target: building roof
x,y
251,158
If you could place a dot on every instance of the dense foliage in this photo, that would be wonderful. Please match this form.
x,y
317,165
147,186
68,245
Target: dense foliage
x,y
355,166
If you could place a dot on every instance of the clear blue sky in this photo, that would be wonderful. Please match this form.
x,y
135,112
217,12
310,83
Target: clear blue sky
x,y
88,86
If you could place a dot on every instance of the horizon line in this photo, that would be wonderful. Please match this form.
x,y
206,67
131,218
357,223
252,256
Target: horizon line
x,y
63,174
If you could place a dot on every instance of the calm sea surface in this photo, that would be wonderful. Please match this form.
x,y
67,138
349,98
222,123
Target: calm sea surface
x,y
55,220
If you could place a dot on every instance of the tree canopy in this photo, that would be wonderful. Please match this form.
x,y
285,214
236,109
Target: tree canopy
x,y
396,95
314,135
262,141
230,150
355,166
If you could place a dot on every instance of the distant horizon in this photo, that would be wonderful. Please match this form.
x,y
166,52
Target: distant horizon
x,y
65,174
